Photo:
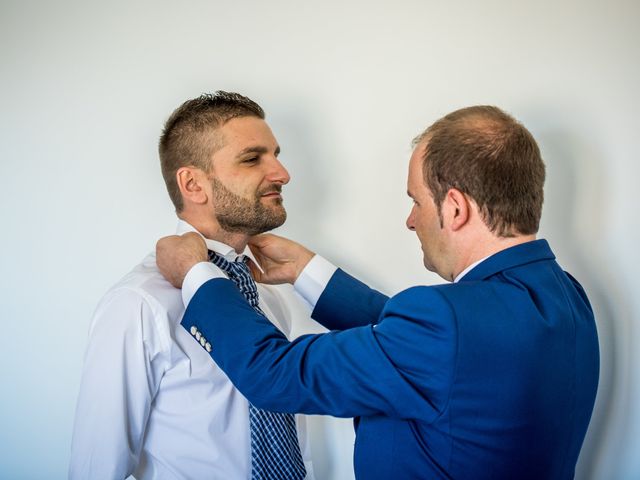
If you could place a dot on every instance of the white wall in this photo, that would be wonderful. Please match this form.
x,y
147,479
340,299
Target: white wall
x,y
85,87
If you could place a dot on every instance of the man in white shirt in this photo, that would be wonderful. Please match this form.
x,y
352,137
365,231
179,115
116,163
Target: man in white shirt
x,y
152,404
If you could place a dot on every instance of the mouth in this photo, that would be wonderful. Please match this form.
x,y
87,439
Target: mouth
x,y
272,194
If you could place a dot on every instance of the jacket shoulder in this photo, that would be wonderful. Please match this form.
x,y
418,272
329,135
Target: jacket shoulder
x,y
420,297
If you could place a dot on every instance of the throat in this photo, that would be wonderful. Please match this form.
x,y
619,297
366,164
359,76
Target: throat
x,y
212,230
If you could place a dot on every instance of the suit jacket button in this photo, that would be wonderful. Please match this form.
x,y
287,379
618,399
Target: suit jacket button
x,y
208,347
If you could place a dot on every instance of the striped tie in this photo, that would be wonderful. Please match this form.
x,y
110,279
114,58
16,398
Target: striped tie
x,y
275,452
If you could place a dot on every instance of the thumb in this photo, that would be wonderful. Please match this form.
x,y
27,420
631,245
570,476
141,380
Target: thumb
x,y
256,273
166,243
259,241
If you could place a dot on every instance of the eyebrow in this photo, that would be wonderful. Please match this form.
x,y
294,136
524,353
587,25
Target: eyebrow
x,y
258,149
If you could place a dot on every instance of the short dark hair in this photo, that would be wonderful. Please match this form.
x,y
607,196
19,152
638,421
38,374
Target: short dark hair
x,y
491,157
187,138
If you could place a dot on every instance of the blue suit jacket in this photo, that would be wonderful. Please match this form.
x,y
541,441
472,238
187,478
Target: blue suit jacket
x,y
492,377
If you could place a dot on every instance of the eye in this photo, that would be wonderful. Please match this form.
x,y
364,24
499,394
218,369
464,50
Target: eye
x,y
250,160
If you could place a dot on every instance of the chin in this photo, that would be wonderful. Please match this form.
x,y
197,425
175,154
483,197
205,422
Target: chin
x,y
273,200
430,266
278,210
275,220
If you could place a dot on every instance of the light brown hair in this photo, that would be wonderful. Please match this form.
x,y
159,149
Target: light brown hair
x,y
491,157
189,139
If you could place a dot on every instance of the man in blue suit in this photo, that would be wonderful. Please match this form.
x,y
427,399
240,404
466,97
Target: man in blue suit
x,y
492,376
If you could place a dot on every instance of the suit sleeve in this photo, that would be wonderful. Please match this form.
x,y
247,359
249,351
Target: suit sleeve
x,y
347,302
400,368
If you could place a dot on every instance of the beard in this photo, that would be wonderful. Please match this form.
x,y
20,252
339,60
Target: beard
x,y
237,214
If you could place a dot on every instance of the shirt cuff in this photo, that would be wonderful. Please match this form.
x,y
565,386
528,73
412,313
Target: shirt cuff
x,y
199,274
314,279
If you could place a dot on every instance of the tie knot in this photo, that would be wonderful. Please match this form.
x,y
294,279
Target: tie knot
x,y
231,268
240,275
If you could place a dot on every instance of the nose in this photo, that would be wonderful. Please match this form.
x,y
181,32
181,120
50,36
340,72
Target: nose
x,y
277,173
411,224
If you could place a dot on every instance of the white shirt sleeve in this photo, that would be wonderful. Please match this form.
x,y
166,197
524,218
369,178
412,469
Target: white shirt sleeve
x,y
199,274
124,363
314,279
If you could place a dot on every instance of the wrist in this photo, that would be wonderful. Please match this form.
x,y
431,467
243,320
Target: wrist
x,y
314,278
303,261
198,275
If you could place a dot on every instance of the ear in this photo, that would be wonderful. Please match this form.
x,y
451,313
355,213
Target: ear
x,y
455,209
194,185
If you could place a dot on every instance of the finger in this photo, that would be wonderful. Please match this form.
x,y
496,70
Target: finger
x,y
261,240
194,238
165,243
254,249
256,272
258,254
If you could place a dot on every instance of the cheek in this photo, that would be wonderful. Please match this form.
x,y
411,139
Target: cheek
x,y
424,228
246,187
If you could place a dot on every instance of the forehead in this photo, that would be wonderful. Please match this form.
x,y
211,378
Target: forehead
x,y
415,165
244,131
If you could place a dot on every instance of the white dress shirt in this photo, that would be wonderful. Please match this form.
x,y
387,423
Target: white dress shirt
x,y
152,402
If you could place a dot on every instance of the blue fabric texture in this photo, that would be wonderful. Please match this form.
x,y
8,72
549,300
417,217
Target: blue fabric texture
x,y
493,377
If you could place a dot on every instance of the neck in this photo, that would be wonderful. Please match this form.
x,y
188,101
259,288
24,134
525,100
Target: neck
x,y
485,248
212,230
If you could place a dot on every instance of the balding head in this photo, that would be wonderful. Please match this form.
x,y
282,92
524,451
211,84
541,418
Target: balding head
x,y
491,157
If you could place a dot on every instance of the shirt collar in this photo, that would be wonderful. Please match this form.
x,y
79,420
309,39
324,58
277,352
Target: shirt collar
x,y
468,269
220,248
521,254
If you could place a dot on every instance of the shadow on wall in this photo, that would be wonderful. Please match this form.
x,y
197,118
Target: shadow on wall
x,y
574,220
